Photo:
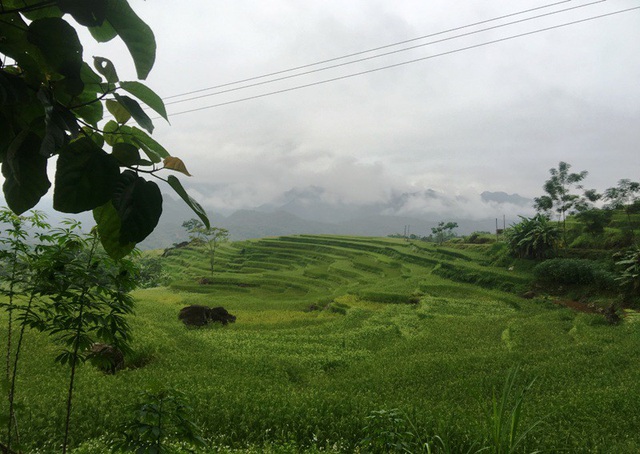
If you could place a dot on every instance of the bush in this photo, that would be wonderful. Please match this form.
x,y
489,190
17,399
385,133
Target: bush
x,y
480,238
629,270
575,272
594,221
533,238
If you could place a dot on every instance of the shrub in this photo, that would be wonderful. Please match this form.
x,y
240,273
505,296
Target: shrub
x,y
594,221
533,238
480,238
575,272
629,269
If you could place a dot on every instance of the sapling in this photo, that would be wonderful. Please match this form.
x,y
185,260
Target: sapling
x,y
89,298
15,257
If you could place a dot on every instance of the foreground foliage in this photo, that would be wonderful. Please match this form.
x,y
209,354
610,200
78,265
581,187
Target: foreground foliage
x,y
63,286
52,103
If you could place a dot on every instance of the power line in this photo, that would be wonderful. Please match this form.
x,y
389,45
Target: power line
x,y
355,54
382,68
256,84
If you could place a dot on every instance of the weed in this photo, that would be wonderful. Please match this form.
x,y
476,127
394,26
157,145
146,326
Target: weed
x,y
386,432
504,417
161,419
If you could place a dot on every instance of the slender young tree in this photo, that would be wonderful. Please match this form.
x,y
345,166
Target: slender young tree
x,y
443,231
211,237
559,197
16,265
624,196
88,297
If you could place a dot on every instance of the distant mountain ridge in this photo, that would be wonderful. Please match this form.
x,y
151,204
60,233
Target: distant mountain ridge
x,y
313,210
503,197
306,211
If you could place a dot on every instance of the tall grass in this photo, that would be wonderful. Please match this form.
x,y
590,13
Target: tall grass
x,y
504,417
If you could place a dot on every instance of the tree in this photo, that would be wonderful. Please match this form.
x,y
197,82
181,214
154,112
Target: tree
x,y
624,196
17,264
595,220
52,103
210,236
443,231
559,196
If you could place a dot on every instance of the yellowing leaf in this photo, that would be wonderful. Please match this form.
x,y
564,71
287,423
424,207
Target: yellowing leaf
x,y
173,163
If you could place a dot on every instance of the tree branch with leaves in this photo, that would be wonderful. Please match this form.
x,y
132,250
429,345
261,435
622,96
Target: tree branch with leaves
x,y
52,103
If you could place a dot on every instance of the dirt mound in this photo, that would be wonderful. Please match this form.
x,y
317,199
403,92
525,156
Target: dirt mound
x,y
579,306
197,315
107,358
610,313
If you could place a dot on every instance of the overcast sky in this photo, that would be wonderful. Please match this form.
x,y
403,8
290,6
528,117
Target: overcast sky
x,y
491,118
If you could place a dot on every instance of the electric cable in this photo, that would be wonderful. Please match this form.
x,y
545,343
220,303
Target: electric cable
x,y
355,54
382,68
360,60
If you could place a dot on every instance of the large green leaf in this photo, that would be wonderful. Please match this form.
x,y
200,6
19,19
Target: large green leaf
x,y
147,96
139,206
111,132
59,44
90,13
103,33
91,112
14,44
13,89
195,206
58,120
106,68
88,105
126,154
149,145
108,223
25,173
118,111
85,177
33,9
92,81
136,111
7,136
136,35
115,133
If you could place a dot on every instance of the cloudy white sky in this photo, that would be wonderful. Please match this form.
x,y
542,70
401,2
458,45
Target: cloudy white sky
x,y
491,118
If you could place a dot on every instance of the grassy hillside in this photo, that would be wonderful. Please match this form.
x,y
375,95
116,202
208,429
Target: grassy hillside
x,y
345,343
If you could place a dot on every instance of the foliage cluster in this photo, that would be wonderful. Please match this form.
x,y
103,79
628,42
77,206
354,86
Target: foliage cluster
x,y
162,419
444,231
62,286
576,272
150,271
535,238
480,238
629,264
52,103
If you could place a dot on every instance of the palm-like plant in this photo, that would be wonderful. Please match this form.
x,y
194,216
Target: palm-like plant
x,y
535,237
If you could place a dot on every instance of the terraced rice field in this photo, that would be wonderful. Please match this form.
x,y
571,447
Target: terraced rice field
x,y
332,330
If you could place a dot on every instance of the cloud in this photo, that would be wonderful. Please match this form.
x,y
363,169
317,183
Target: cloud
x,y
493,118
